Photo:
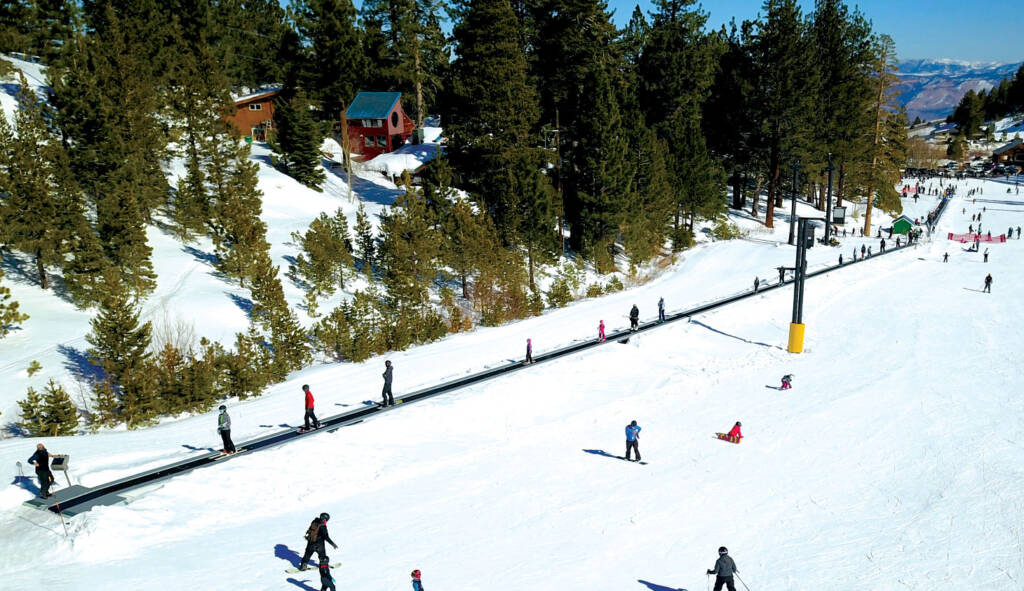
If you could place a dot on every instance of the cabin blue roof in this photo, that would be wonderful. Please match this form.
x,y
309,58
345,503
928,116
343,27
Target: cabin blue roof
x,y
372,105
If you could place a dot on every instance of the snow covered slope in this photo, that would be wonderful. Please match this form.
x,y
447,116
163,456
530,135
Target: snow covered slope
x,y
893,463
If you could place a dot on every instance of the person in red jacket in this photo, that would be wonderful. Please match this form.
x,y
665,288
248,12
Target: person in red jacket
x,y
735,432
309,409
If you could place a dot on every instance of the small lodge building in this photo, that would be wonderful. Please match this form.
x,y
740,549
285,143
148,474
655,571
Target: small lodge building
x,y
377,124
902,225
254,113
1011,153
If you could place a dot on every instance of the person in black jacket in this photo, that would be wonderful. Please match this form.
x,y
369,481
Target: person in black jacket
x,y
316,535
386,397
724,569
634,318
326,580
41,460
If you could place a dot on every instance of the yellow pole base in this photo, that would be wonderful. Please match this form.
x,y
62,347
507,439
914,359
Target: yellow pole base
x,y
796,338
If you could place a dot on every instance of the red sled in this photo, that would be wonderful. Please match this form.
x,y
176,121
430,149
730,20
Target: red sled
x,y
727,437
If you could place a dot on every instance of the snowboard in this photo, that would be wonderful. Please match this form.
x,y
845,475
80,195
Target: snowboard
x,y
725,437
623,458
305,430
397,402
309,569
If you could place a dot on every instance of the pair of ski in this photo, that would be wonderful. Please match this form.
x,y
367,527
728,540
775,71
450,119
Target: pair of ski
x,y
310,568
727,437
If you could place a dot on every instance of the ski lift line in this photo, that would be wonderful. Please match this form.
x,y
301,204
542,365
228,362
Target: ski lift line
x,y
106,494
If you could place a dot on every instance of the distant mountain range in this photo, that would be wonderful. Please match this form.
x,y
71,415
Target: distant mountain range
x,y
931,88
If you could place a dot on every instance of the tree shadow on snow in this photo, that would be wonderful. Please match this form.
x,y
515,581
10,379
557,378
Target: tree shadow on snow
x,y
302,584
657,587
287,554
78,364
20,268
244,304
202,256
370,191
732,336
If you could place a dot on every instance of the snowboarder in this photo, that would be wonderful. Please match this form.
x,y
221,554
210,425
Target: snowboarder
x,y
224,427
724,569
633,440
862,250
326,580
316,535
735,433
387,399
988,284
634,318
985,254
757,283
309,408
840,259
882,245
945,257
782,275
41,460
529,352
661,309
600,331
417,584
787,382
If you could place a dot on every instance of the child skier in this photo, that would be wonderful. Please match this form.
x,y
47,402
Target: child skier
x,y
600,331
326,580
724,570
417,584
529,352
787,382
735,431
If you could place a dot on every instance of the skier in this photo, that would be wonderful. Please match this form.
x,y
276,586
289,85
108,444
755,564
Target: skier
x,y
724,569
661,309
326,580
988,283
633,440
757,283
224,426
600,331
417,584
386,397
309,408
735,433
985,254
634,318
862,250
882,245
897,242
41,460
529,352
787,382
840,259
1018,232
782,275
945,257
316,535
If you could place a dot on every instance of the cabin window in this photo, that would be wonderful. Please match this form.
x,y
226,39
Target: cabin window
x,y
368,141
394,119
373,123
382,141
255,107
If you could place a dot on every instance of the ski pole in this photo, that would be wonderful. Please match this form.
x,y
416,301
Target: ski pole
x,y
741,580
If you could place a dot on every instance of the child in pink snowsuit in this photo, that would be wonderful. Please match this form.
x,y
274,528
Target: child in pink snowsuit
x,y
600,331
735,433
787,382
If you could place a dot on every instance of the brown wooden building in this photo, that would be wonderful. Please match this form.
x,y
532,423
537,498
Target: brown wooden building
x,y
254,113
1011,153
377,123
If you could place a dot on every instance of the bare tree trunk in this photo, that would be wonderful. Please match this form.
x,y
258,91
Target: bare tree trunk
x,y
841,189
419,90
821,196
347,156
879,103
737,194
44,281
773,186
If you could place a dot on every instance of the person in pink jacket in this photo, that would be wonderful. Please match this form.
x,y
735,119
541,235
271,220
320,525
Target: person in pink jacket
x,y
600,331
735,432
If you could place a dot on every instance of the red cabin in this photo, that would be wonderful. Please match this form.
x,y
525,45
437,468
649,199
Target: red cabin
x,y
377,123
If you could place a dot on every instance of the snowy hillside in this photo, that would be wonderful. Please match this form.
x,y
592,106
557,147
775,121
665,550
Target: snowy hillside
x,y
931,88
892,464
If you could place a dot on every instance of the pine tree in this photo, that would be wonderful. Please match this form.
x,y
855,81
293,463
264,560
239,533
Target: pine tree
x,y
10,316
336,64
52,26
888,146
409,251
651,200
530,199
119,345
33,414
969,115
299,139
286,339
326,255
365,240
61,416
32,207
15,26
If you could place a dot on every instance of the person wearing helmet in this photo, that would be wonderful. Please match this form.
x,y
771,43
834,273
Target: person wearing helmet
x,y
633,440
316,536
735,431
634,318
309,408
417,584
386,397
724,569
224,427
326,580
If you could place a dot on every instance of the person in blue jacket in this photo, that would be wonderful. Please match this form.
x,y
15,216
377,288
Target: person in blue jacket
x,y
417,583
633,440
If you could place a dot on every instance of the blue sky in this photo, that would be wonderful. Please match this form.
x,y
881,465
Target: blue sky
x,y
989,30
